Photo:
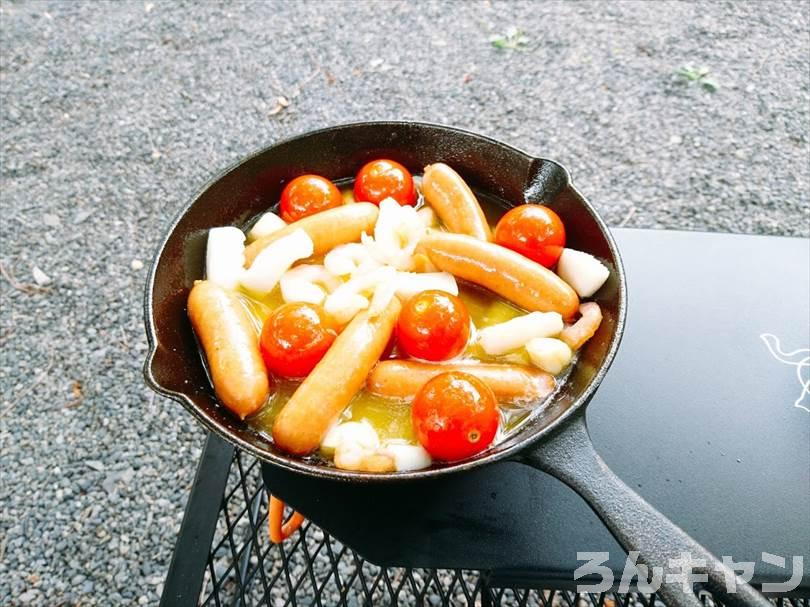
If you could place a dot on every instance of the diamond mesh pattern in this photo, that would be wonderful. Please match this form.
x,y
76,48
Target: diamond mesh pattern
x,y
313,569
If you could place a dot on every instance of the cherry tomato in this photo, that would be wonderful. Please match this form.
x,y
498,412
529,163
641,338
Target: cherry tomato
x,y
455,415
294,338
534,231
380,179
307,195
433,325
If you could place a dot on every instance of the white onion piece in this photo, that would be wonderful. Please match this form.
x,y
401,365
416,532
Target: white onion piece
x,y
267,224
351,297
308,283
407,457
411,283
384,292
225,256
343,306
582,271
428,217
513,334
358,434
276,258
551,355
396,234
350,258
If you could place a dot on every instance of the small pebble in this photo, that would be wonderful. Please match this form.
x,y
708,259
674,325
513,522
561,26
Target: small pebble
x,y
40,277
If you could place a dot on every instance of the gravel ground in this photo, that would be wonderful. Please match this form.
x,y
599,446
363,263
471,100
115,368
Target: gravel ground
x,y
112,113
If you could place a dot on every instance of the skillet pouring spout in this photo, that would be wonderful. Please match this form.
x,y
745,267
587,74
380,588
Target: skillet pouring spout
x,y
569,455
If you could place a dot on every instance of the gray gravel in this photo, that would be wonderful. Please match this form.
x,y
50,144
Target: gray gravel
x,y
112,113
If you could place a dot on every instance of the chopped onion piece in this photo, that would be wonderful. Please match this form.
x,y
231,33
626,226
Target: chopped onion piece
x,y
411,283
428,217
513,334
267,224
308,283
551,355
396,234
582,271
351,297
344,306
407,457
360,434
350,258
276,258
383,294
225,256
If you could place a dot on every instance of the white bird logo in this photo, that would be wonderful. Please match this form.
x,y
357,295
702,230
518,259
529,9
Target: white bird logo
x,y
798,358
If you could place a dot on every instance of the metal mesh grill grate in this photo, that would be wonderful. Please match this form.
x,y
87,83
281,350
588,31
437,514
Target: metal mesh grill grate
x,y
313,568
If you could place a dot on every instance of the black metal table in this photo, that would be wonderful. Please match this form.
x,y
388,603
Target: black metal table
x,y
713,433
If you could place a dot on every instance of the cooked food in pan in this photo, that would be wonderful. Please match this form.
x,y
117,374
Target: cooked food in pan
x,y
386,324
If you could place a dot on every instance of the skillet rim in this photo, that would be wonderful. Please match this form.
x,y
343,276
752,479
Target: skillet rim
x,y
293,464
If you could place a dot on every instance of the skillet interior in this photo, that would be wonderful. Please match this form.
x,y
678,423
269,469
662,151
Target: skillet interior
x,y
173,366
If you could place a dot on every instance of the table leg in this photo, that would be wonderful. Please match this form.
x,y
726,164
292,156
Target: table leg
x,y
187,569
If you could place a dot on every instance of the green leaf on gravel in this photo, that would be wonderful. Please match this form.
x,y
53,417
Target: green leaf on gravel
x,y
689,75
513,39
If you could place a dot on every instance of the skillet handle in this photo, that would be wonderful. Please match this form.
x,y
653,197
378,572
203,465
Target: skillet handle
x,y
569,455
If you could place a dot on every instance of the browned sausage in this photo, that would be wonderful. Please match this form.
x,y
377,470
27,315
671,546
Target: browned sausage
x,y
510,383
509,274
327,229
454,202
341,373
231,347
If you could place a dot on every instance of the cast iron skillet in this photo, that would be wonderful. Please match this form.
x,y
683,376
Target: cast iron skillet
x,y
554,440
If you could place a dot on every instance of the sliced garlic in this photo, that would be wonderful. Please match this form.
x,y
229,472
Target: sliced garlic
x,y
276,258
225,256
513,334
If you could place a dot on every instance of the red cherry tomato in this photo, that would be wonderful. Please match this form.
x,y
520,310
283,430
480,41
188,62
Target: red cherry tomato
x,y
294,338
307,195
534,231
433,325
381,179
455,415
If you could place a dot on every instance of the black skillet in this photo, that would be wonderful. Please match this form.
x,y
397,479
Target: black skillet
x,y
555,439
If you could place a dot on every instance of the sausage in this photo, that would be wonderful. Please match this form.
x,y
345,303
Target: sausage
x,y
507,273
327,229
331,385
231,347
510,383
454,202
